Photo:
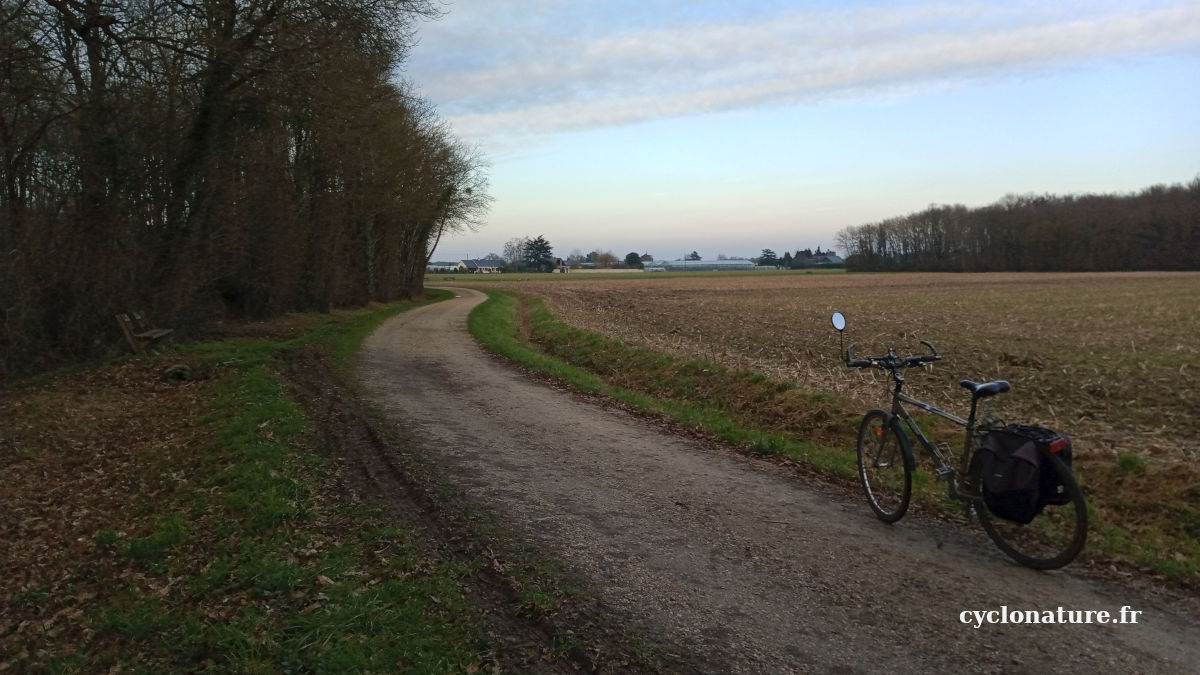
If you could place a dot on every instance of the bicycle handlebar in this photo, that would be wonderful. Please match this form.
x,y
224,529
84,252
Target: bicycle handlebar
x,y
891,360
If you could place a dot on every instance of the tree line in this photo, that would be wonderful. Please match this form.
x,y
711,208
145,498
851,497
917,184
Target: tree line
x,y
536,254
1157,228
802,259
526,254
202,160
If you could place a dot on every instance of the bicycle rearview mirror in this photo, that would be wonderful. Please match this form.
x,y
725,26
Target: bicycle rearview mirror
x,y
839,322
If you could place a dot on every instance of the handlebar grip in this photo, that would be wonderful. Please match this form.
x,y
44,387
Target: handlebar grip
x,y
858,364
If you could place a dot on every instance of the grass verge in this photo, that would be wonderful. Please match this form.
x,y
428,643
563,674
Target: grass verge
x,y
207,530
1141,516
698,395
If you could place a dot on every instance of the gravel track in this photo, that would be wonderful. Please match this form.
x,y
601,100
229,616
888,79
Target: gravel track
x,y
737,562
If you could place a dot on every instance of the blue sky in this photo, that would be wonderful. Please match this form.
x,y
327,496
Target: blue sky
x,y
667,126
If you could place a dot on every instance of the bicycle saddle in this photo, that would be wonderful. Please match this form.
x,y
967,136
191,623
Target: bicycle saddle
x,y
985,389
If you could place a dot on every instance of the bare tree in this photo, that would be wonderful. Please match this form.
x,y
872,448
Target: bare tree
x,y
205,158
514,252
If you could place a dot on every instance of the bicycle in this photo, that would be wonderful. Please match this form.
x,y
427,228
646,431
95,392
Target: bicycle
x,y
886,463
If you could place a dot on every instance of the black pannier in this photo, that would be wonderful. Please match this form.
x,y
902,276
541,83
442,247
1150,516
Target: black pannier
x,y
1018,479
1059,445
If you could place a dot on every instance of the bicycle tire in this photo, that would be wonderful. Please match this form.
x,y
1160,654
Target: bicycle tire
x,y
1054,538
882,471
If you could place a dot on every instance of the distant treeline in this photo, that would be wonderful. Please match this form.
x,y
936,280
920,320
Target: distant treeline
x,y
202,160
1155,229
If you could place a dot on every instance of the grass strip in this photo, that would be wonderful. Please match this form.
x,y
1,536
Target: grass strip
x,y
687,391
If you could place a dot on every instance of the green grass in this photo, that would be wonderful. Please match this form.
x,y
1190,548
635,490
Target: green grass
x,y
342,607
336,334
170,531
492,324
682,390
1131,462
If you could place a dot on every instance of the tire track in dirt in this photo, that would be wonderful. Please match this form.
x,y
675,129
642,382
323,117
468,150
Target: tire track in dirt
x,y
730,559
372,464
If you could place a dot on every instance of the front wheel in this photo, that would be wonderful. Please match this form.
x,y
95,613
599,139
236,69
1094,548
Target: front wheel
x,y
1054,537
881,467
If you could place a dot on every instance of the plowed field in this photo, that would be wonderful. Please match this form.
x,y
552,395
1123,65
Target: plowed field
x,y
1109,358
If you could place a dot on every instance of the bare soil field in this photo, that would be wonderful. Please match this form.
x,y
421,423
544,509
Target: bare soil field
x,y
1110,358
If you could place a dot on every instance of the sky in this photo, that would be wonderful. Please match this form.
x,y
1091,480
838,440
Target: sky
x,y
728,127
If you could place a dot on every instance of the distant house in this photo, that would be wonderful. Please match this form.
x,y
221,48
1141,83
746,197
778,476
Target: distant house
x,y
480,266
807,258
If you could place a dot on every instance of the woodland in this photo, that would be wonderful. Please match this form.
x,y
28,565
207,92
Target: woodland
x,y
200,160
1157,228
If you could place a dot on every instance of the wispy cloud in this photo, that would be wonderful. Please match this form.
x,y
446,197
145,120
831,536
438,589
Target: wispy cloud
x,y
518,72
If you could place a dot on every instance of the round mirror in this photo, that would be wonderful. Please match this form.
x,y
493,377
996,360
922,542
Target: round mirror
x,y
839,321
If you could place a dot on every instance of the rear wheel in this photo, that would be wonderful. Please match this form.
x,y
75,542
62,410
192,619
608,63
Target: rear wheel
x,y
881,467
1054,537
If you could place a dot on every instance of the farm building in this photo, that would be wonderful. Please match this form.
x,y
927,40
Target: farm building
x,y
480,266
807,258
706,265
441,266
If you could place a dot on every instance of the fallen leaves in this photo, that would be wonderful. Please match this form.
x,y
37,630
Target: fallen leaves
x,y
72,492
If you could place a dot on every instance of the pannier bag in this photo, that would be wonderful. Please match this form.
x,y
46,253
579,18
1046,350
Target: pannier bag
x,y
1017,479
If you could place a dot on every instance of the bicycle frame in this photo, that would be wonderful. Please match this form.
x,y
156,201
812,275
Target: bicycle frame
x,y
943,471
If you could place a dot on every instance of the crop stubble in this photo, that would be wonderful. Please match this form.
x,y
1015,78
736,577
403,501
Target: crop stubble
x,y
1109,358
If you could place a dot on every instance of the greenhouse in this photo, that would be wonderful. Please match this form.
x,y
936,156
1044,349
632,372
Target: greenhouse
x,y
706,265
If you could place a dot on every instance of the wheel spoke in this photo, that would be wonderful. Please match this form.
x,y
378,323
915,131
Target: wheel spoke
x,y
881,468
1054,537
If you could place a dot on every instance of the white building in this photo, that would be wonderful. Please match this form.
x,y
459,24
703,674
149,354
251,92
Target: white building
x,y
706,265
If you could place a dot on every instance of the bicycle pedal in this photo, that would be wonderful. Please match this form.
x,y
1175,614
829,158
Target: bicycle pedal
x,y
944,472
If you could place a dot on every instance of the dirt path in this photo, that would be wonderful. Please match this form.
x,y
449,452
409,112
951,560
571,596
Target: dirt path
x,y
734,560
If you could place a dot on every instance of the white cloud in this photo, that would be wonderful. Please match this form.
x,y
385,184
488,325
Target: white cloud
x,y
553,72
